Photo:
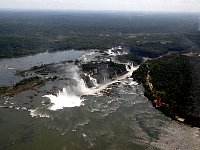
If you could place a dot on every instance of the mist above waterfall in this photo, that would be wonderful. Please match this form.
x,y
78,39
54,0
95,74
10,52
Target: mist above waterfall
x,y
64,99
70,96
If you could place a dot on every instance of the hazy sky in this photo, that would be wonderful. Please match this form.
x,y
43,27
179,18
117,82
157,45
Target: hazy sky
x,y
124,5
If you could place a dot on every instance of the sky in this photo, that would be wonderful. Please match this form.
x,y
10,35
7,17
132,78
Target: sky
x,y
120,5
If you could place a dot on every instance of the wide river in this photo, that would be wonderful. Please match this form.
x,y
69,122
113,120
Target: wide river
x,y
120,117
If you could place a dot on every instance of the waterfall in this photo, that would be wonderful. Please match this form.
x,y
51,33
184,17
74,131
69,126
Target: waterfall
x,y
65,98
70,96
93,80
129,67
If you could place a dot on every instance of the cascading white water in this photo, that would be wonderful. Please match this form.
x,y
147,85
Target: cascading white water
x,y
70,96
129,67
64,99
94,81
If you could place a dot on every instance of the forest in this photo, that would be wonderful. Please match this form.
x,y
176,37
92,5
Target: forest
x,y
144,34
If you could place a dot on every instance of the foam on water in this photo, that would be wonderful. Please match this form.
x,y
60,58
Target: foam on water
x,y
36,113
9,68
64,99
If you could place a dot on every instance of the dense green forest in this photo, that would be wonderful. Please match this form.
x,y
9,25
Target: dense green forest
x,y
176,82
149,35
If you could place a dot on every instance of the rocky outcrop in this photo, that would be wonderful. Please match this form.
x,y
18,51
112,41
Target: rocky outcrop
x,y
103,71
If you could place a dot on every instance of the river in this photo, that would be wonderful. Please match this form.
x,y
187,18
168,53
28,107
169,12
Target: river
x,y
117,116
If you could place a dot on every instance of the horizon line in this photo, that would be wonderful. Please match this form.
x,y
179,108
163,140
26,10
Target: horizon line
x,y
91,10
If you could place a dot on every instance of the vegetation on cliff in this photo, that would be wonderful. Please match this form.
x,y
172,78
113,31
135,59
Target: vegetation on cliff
x,y
168,83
